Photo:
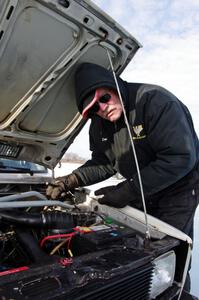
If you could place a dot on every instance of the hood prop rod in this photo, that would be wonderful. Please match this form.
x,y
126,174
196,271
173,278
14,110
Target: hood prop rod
x,y
147,232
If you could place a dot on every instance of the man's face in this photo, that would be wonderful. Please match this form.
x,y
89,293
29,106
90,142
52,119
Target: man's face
x,y
112,109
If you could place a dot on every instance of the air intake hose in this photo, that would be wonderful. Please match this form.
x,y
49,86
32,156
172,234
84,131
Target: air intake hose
x,y
48,219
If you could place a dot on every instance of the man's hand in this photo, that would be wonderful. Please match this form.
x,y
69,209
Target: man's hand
x,y
61,186
117,196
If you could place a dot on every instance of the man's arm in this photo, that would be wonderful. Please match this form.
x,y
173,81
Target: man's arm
x,y
97,169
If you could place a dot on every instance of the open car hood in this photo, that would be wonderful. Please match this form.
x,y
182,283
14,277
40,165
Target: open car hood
x,y
41,44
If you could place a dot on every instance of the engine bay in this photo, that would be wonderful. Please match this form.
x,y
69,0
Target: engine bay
x,y
32,235
51,249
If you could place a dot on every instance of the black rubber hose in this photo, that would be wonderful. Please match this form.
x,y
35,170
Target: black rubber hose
x,y
49,219
31,248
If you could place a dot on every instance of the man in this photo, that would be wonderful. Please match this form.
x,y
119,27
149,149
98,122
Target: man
x,y
165,141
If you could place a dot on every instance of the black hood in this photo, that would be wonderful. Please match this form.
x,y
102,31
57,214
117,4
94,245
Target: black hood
x,y
90,76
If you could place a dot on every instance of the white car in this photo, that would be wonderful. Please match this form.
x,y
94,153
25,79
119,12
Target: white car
x,y
73,249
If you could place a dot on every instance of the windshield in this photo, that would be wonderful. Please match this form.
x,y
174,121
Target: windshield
x,y
21,164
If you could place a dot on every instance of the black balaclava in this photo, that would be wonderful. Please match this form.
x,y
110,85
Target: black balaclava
x,y
90,76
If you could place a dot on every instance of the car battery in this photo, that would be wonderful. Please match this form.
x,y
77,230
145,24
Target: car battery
x,y
98,237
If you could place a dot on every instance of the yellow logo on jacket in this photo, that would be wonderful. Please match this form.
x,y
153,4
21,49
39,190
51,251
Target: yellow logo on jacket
x,y
138,130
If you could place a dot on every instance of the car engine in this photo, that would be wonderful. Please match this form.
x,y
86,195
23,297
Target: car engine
x,y
63,250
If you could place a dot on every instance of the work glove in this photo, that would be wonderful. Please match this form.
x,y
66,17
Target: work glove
x,y
61,186
117,196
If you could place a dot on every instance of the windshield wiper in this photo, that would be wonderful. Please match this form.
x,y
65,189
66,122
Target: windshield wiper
x,y
9,169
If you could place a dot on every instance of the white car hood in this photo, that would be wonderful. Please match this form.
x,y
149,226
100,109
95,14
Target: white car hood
x,y
41,44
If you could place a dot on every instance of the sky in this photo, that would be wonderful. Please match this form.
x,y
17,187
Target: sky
x,y
169,33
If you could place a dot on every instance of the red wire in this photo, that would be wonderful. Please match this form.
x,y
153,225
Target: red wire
x,y
68,235
69,241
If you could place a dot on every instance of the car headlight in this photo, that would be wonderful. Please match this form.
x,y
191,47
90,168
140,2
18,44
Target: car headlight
x,y
164,271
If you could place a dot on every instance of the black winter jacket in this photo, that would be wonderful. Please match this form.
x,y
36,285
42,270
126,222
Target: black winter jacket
x,y
162,129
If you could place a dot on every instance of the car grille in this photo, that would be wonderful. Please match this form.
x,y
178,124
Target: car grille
x,y
34,290
136,285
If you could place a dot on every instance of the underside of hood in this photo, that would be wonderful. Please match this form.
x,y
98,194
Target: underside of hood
x,y
41,44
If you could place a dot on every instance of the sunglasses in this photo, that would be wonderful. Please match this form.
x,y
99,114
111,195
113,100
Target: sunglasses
x,y
96,107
